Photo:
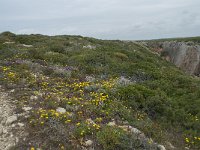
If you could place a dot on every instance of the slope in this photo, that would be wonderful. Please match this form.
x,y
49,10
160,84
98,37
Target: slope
x,y
88,93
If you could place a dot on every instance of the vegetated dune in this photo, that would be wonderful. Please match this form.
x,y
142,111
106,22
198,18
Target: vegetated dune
x,y
74,92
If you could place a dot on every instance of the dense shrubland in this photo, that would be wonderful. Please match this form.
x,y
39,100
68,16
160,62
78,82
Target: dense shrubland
x,y
97,82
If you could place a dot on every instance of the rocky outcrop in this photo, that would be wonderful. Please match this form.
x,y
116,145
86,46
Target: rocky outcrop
x,y
185,55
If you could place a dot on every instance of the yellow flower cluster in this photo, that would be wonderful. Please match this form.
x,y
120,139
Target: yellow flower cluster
x,y
46,114
140,116
93,124
11,74
193,140
98,98
5,69
109,83
79,85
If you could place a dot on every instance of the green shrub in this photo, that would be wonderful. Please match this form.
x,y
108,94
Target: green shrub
x,y
121,56
111,138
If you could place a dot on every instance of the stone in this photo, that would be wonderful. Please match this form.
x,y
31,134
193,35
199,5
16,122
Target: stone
x,y
112,123
27,108
161,147
90,47
12,91
8,42
1,130
33,97
13,125
90,79
135,131
5,131
11,119
123,81
61,110
20,124
169,145
16,140
88,143
25,45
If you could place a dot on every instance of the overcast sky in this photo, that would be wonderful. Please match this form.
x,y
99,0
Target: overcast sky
x,y
105,19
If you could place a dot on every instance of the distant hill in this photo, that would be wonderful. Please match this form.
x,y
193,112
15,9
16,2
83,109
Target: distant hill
x,y
183,39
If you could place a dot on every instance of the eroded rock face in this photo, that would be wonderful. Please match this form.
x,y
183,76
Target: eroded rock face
x,y
185,55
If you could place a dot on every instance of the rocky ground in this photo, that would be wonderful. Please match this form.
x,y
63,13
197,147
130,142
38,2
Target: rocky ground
x,y
11,130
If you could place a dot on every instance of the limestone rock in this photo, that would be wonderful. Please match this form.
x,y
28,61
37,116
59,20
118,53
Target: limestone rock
x,y
33,97
27,108
161,147
61,110
11,119
1,130
88,143
90,78
20,124
135,131
170,146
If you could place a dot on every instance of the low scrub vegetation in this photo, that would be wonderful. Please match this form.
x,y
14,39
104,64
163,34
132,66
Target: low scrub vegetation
x,y
76,90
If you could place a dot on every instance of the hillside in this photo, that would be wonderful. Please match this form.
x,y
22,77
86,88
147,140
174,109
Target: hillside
x,y
75,92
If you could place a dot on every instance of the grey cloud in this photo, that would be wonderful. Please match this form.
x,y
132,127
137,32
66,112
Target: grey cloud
x,y
113,19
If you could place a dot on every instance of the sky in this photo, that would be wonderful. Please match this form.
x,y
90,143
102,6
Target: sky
x,y
103,19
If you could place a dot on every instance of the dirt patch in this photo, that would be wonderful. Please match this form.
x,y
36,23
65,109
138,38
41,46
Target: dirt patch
x,y
11,129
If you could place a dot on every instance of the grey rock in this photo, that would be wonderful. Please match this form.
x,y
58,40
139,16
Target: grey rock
x,y
13,125
90,78
16,140
28,46
33,97
5,131
1,130
161,147
135,131
20,124
90,47
123,81
170,146
27,108
11,119
61,110
12,91
88,143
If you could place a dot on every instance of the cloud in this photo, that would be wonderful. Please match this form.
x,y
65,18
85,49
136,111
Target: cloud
x,y
113,19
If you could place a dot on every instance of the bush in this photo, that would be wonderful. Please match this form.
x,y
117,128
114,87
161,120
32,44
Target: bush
x,y
121,56
111,138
